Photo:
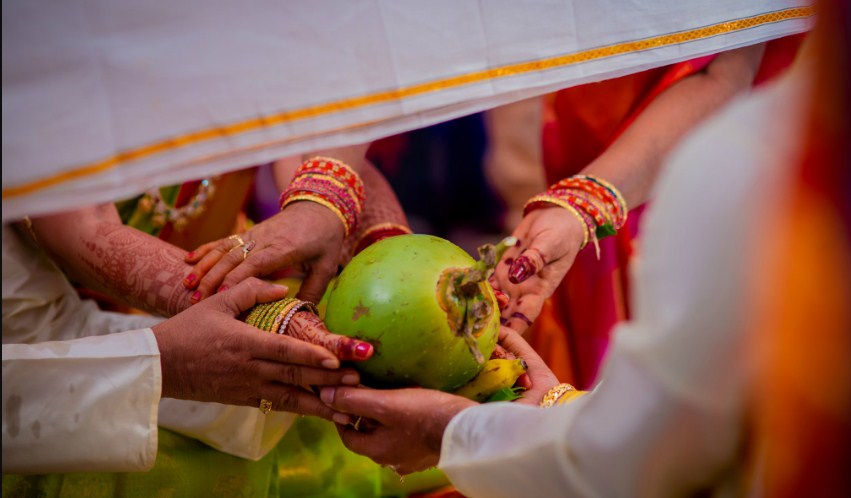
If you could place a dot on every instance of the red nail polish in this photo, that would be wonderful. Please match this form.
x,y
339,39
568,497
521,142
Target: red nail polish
x,y
223,288
190,278
190,255
520,270
363,350
196,296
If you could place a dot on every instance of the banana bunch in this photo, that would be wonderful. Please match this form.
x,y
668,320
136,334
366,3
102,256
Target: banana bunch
x,y
496,375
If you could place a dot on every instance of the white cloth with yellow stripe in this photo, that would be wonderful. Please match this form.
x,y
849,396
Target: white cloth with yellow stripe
x,y
104,99
81,387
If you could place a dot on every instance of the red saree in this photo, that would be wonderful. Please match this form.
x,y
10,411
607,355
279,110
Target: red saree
x,y
572,332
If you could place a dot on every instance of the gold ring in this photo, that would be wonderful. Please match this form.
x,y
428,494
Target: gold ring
x,y
238,239
356,423
246,248
265,406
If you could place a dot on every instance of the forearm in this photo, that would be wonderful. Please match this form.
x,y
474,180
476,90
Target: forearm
x,y
633,161
98,251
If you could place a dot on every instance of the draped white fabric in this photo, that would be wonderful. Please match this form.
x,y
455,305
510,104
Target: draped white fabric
x,y
103,99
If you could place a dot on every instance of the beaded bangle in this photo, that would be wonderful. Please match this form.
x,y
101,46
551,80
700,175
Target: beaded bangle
x,y
378,232
553,395
299,306
611,188
596,202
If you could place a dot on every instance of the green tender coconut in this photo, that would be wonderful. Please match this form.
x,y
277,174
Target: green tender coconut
x,y
425,305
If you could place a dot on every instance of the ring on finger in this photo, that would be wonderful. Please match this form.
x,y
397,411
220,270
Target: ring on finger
x,y
246,248
265,406
356,423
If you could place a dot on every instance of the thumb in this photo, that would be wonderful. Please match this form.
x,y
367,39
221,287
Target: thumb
x,y
248,293
314,285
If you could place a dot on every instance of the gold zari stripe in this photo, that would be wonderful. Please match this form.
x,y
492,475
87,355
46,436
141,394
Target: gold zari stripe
x,y
405,92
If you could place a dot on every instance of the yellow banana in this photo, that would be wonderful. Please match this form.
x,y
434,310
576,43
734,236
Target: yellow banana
x,y
497,374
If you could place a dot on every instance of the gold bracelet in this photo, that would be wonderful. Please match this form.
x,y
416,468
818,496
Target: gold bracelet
x,y
560,203
319,200
553,395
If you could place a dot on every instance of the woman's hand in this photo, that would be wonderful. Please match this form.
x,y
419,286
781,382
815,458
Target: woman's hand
x,y
402,428
305,235
548,241
209,355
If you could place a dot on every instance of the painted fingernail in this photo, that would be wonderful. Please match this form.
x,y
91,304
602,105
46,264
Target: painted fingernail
x,y
327,395
363,350
223,288
350,379
196,296
509,261
331,363
341,418
521,270
501,299
190,278
190,255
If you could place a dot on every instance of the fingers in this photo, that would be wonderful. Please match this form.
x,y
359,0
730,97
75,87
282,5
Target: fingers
x,y
502,299
299,375
285,349
316,282
361,402
308,327
529,263
213,278
204,258
286,398
250,292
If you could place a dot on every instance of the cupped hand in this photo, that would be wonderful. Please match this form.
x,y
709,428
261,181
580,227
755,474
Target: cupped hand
x,y
207,354
548,241
401,428
305,235
538,378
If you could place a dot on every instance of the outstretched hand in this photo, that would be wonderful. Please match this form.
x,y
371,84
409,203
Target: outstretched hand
x,y
403,428
207,354
548,241
305,235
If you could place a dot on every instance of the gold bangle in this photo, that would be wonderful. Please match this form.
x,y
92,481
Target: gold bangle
x,y
571,209
319,200
555,393
279,318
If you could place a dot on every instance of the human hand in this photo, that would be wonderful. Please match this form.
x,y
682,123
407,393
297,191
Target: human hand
x,y
305,235
402,428
208,355
548,241
538,378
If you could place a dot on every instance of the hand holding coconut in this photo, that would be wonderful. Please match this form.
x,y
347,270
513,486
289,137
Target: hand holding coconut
x,y
208,355
557,224
403,428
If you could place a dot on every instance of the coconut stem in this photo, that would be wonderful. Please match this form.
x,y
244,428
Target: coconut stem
x,y
467,308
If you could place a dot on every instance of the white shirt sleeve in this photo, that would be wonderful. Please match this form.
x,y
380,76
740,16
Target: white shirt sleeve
x,y
667,417
81,405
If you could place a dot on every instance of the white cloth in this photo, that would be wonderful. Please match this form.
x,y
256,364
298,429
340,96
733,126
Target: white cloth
x,y
667,417
104,99
81,387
